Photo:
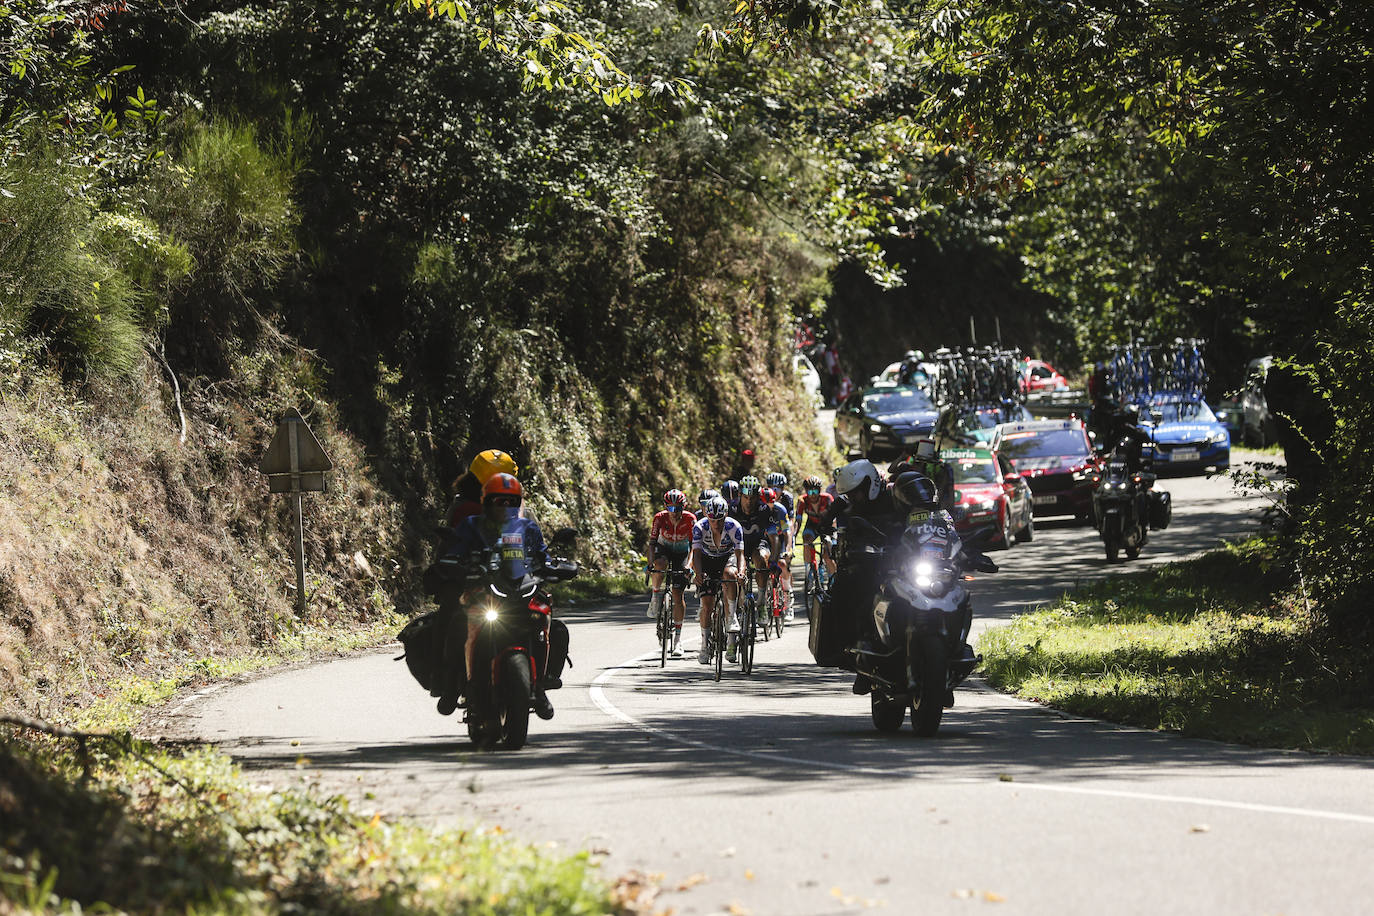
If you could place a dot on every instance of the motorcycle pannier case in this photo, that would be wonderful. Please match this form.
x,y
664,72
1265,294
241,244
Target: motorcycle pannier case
x,y
1161,509
829,636
423,639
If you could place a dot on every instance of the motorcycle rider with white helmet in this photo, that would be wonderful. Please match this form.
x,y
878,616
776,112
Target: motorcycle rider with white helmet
x,y
845,620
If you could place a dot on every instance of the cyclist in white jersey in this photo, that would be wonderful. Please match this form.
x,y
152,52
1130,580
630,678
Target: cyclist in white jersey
x,y
717,553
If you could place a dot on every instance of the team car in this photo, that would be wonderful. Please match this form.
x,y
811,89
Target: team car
x,y
883,421
1038,375
1188,436
1056,460
989,492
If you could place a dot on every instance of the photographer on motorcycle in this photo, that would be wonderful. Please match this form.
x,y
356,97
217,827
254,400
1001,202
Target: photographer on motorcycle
x,y
926,462
522,554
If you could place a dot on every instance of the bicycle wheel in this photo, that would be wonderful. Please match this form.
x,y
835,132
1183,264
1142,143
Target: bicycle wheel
x,y
781,597
810,586
748,636
665,630
718,635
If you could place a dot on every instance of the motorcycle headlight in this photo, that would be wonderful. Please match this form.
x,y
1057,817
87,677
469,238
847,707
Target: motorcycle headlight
x,y
922,573
491,614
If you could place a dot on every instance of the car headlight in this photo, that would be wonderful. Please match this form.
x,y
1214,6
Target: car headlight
x,y
1218,437
874,428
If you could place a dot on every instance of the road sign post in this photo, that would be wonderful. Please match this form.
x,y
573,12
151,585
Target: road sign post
x,y
295,463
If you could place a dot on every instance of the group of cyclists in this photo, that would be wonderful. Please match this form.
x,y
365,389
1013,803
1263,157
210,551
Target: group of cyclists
x,y
743,531
746,527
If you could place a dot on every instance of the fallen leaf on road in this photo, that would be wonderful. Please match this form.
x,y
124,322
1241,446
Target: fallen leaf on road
x,y
749,874
295,742
692,881
1004,777
1199,828
735,909
963,893
728,852
991,897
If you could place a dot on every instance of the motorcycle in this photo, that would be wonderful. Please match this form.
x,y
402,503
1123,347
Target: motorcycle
x,y
511,652
1127,506
922,615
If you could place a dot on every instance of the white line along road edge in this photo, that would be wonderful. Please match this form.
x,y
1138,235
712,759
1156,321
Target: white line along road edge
x,y
597,691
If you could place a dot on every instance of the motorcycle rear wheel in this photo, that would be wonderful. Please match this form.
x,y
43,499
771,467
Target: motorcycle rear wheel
x,y
927,708
516,691
888,715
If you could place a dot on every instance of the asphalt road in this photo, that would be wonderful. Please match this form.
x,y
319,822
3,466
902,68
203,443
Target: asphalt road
x,y
774,795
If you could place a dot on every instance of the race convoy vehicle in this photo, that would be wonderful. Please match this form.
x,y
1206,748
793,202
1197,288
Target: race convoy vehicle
x,y
1188,435
1057,460
1038,375
883,421
989,492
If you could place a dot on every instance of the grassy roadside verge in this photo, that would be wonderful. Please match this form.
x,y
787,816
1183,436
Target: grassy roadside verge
x,y
137,828
1215,647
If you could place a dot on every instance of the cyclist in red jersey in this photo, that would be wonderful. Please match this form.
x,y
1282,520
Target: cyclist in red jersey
x,y
813,506
670,543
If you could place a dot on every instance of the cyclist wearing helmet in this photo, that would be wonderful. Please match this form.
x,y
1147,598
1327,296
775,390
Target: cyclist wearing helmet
x,y
522,553
846,620
670,541
704,497
778,481
765,525
814,507
467,487
717,553
729,491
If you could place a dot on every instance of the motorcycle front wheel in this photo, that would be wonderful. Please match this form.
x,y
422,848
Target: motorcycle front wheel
x,y
516,691
927,708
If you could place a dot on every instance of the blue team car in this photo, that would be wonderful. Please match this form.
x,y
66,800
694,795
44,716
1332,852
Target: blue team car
x,y
1188,435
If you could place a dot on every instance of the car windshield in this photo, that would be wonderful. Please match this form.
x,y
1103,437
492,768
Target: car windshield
x,y
1044,443
896,401
1185,412
973,470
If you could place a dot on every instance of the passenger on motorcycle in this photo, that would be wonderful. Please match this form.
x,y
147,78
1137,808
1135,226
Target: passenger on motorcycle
x,y
522,554
717,553
925,460
670,543
846,619
813,519
764,525
467,495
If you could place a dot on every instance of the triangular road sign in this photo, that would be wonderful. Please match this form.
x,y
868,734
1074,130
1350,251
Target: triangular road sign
x,y
309,454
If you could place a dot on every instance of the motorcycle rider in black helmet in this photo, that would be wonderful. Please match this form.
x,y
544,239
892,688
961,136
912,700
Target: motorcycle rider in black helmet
x,y
921,499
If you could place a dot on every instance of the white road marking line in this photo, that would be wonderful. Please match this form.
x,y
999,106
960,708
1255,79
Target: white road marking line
x,y
597,691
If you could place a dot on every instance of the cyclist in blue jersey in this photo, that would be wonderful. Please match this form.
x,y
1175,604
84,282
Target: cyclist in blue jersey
x,y
777,481
765,526
717,553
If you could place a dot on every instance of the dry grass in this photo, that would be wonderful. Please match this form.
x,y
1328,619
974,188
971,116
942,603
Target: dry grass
x,y
124,553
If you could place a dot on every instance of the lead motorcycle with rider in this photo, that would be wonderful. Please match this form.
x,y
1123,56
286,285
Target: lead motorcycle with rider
x,y
899,615
494,639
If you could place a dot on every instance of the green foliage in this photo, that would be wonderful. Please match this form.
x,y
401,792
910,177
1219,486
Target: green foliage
x,y
1215,647
167,831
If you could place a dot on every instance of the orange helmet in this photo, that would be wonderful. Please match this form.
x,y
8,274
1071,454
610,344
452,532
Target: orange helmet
x,y
502,485
492,461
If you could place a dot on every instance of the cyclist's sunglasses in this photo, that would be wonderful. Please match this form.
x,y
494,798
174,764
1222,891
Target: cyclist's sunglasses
x,y
674,509
506,501
813,491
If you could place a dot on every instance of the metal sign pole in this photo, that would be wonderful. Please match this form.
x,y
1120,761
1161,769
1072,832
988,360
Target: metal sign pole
x,y
300,518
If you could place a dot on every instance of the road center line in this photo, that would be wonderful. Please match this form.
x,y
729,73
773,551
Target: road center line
x,y
597,691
